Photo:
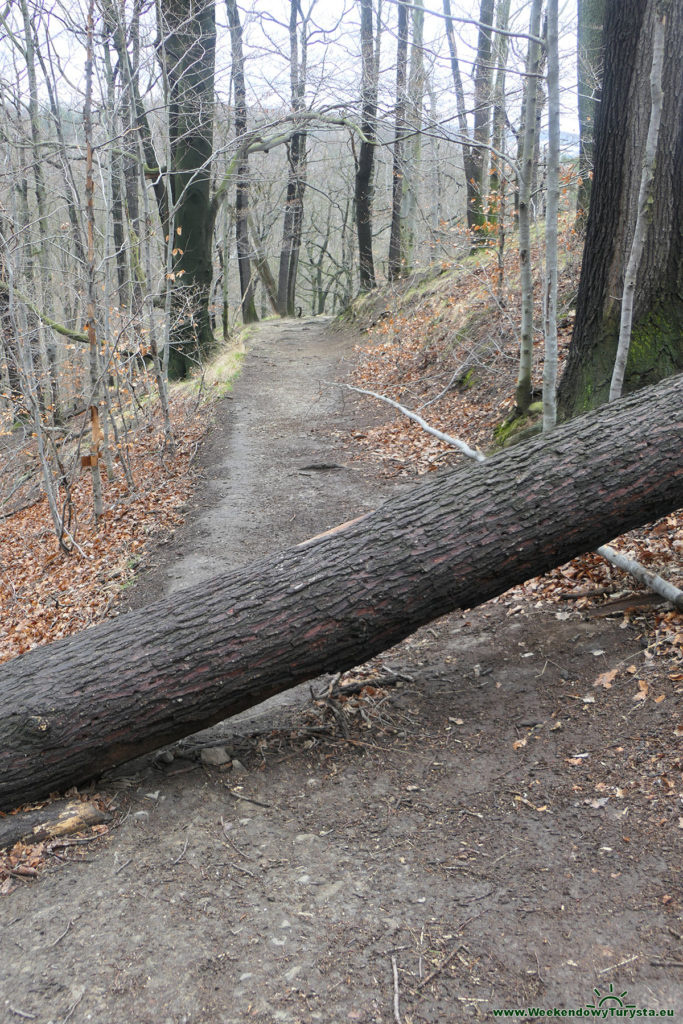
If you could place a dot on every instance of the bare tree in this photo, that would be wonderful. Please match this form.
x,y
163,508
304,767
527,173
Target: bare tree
x,y
365,160
249,314
296,156
529,129
396,246
551,214
591,15
645,201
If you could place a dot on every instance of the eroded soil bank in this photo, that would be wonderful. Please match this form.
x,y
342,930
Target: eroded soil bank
x,y
480,827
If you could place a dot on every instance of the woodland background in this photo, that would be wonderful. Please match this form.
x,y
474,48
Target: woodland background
x,y
173,170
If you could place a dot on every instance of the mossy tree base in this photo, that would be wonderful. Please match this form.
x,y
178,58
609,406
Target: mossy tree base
x,y
656,348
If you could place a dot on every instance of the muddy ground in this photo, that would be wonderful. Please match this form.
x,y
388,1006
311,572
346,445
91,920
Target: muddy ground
x,y
481,827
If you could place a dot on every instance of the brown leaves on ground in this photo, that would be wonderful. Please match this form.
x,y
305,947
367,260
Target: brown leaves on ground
x,y
25,860
44,592
448,349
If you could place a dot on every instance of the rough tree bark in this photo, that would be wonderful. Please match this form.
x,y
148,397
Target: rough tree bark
x,y
482,116
474,145
412,146
366,156
73,708
620,138
523,392
249,315
189,50
591,14
396,253
296,157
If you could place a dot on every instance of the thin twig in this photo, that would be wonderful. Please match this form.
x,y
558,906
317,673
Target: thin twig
x,y
441,967
182,852
73,1007
397,1016
249,799
58,844
60,937
621,963
21,1013
238,867
230,840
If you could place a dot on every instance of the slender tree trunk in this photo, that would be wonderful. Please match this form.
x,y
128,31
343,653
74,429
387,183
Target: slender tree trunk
x,y
620,140
482,116
499,166
189,51
645,201
116,185
296,182
366,154
93,344
396,253
73,708
551,214
468,165
412,147
538,168
591,15
523,392
249,315
42,248
263,267
500,59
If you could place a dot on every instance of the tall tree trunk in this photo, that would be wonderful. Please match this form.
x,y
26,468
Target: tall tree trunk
x,y
645,201
73,708
550,291
620,140
296,181
591,15
538,169
396,254
263,267
412,147
483,74
366,155
116,185
249,315
127,175
474,159
93,344
188,48
526,343
42,277
500,59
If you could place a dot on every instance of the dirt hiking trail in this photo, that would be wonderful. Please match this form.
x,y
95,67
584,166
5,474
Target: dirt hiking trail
x,y
467,823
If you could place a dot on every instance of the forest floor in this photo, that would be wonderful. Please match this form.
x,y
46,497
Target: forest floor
x,y
487,816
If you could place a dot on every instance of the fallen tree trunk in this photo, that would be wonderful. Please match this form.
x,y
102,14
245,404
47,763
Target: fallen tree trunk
x,y
73,708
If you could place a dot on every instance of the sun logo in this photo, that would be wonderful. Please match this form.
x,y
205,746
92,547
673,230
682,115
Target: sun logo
x,y
610,999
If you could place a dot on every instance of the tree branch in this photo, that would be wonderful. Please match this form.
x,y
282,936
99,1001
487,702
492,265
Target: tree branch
x,y
658,585
455,442
67,332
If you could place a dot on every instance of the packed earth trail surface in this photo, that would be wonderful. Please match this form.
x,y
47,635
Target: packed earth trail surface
x,y
467,823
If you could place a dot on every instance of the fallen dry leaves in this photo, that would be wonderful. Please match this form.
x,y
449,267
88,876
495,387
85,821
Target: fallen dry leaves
x,y
44,592
448,350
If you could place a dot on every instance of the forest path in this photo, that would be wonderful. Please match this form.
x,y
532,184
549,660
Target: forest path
x,y
274,473
485,825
